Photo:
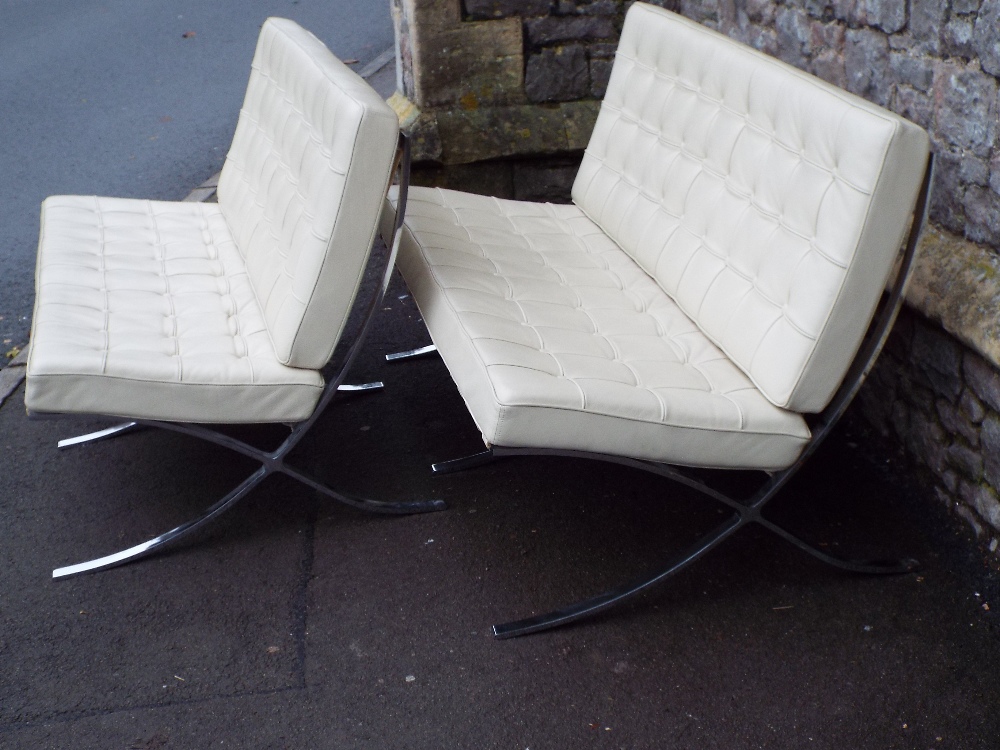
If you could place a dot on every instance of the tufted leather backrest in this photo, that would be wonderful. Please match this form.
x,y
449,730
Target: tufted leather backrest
x,y
302,188
768,204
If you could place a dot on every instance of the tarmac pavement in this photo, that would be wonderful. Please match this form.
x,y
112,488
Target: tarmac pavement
x,y
296,623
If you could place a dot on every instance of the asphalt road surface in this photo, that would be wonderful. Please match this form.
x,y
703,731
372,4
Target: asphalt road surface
x,y
132,99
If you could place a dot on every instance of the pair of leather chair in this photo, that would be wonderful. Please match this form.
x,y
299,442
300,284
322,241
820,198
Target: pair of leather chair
x,y
705,301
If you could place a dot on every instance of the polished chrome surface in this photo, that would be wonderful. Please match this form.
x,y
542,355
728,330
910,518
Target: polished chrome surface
x,y
152,545
591,607
466,462
93,437
411,354
745,513
349,388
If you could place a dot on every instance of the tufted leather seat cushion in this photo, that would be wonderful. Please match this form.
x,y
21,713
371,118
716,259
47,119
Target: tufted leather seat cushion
x,y
221,313
557,338
145,309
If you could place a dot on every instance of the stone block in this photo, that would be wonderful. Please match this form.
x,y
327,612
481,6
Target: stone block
x,y
600,74
927,440
985,39
911,70
982,215
482,9
927,19
966,100
983,379
959,7
794,35
866,59
916,106
950,481
944,496
763,39
848,11
957,284
957,38
599,8
761,11
947,203
826,36
970,518
469,64
966,461
888,15
492,133
984,500
939,358
985,503
990,441
971,407
603,50
995,172
974,170
816,8
916,393
552,29
829,65
956,423
702,11
557,74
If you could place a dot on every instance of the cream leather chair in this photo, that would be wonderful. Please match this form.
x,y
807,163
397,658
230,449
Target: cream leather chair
x,y
182,314
705,299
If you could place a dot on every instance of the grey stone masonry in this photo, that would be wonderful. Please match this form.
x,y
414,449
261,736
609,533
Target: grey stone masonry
x,y
941,401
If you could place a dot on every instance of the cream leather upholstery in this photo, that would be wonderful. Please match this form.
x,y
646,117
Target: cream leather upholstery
x,y
302,188
221,313
557,338
768,204
735,221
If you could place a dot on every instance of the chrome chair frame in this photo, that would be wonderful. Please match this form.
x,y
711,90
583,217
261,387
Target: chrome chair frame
x,y
271,462
745,512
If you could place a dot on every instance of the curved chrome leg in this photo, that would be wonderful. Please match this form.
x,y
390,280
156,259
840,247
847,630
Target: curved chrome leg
x,y
93,437
374,506
745,512
348,388
155,544
872,567
466,462
590,607
411,353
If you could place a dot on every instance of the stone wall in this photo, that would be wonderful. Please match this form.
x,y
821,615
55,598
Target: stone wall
x,y
510,117
940,401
